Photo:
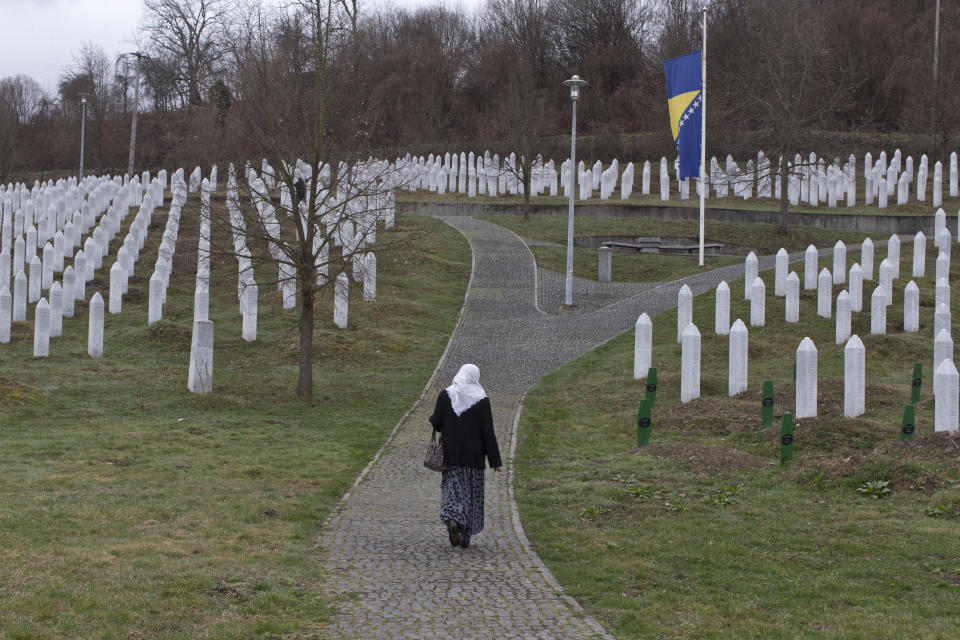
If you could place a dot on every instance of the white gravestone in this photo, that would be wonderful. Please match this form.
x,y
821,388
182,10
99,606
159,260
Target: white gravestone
x,y
69,295
854,366
942,348
943,266
690,364
56,310
250,293
80,281
721,316
943,242
684,310
95,327
810,268
893,255
824,293
115,295
780,273
758,303
341,300
806,376
41,329
942,320
46,268
155,302
911,308
843,317
737,361
201,302
793,298
19,255
370,278
855,288
34,290
839,263
939,223
5,267
750,270
942,293
642,346
946,390
866,259
919,254
886,279
878,311
20,297
6,307
200,376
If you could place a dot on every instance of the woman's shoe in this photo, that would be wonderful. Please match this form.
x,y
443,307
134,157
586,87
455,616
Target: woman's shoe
x,y
465,540
453,530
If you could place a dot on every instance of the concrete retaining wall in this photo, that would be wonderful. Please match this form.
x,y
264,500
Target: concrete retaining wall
x,y
886,224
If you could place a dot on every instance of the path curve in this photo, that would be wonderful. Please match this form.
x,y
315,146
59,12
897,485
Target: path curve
x,y
391,572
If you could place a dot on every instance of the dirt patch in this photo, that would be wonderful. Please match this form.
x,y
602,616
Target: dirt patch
x,y
13,393
707,459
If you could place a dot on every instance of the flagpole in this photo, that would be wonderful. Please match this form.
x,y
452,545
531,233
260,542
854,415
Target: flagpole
x,y
703,128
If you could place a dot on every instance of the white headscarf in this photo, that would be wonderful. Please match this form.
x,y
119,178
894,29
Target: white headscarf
x,y
466,390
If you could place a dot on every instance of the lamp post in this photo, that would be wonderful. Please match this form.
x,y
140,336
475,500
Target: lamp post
x,y
574,83
83,128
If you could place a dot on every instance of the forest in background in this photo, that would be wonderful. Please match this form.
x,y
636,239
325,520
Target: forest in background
x,y
787,76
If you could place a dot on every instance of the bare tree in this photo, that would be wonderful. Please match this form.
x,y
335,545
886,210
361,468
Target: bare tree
x,y
329,203
189,34
23,95
788,81
90,74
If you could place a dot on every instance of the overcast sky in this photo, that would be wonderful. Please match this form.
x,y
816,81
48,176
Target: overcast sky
x,y
40,38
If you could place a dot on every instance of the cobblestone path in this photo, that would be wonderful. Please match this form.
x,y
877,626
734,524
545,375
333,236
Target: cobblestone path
x,y
392,573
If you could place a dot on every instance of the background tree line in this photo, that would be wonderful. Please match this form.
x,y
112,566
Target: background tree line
x,y
831,76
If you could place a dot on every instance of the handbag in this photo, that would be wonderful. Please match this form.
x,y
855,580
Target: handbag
x,y
434,458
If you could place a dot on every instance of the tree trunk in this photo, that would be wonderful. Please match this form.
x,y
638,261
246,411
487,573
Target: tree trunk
x,y
305,380
526,194
784,199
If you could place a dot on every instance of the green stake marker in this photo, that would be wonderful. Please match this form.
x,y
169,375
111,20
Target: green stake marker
x,y
917,384
907,426
644,422
652,386
766,404
786,437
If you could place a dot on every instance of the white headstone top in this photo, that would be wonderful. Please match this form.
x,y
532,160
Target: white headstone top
x,y
750,270
737,364
854,386
684,310
721,322
839,263
780,273
810,258
824,293
942,348
793,298
946,390
806,375
866,259
642,346
690,364
95,327
911,308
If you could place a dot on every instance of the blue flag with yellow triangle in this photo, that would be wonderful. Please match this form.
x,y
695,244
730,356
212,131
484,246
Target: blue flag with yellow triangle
x,y
686,114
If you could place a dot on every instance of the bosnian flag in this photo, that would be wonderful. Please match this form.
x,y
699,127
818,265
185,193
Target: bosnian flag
x,y
686,115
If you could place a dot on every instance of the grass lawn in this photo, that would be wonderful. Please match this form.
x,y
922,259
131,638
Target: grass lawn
x,y
130,508
702,533
636,267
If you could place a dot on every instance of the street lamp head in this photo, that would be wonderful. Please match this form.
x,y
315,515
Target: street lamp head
x,y
575,83
83,98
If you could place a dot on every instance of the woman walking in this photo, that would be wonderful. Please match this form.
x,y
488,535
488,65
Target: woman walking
x,y
465,422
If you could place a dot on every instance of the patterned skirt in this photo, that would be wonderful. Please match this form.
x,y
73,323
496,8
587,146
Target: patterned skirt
x,y
461,493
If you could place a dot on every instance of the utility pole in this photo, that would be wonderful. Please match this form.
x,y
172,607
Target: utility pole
x,y
136,108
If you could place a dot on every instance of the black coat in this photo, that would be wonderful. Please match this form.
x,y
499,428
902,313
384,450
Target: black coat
x,y
467,438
